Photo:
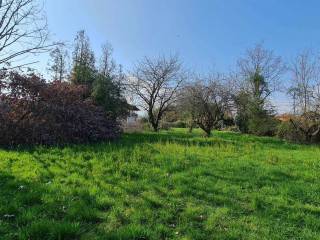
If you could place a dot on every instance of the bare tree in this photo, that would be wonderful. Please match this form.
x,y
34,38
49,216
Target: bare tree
x,y
293,92
305,84
108,66
23,31
109,69
260,71
207,100
305,71
262,62
58,64
156,83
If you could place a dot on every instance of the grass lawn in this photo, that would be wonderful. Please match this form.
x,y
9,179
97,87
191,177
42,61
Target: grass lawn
x,y
170,185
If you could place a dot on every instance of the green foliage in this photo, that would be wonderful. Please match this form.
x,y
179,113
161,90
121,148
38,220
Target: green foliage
x,y
167,185
34,111
261,122
253,115
108,94
180,124
301,129
83,74
242,117
105,91
168,125
165,125
145,123
83,70
104,84
232,129
287,131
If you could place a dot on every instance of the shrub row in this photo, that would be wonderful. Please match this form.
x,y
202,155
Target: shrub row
x,y
33,111
288,131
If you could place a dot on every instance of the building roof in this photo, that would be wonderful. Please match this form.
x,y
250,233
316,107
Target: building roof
x,y
132,107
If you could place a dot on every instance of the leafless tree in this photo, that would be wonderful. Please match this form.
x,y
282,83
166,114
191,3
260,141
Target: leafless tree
x,y
259,72
305,72
208,100
156,82
293,92
58,63
262,62
23,31
108,66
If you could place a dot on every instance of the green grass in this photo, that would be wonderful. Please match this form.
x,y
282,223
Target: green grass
x,y
170,185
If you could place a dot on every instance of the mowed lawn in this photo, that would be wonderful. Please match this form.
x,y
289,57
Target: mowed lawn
x,y
170,185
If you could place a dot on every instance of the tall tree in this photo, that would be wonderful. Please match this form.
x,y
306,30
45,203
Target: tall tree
x,y
108,86
156,83
305,75
83,60
23,31
260,71
108,66
293,92
305,70
58,63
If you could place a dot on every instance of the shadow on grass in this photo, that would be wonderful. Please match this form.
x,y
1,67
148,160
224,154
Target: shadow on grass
x,y
30,210
180,136
219,138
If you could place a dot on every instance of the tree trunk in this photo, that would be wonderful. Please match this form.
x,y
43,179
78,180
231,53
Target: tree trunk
x,y
191,124
154,124
155,127
205,128
208,132
308,137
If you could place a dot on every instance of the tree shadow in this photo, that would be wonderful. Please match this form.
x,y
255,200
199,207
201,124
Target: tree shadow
x,y
219,138
130,140
31,210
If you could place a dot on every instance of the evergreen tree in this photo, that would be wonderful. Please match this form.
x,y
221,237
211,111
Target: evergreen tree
x,y
254,114
83,71
108,85
261,71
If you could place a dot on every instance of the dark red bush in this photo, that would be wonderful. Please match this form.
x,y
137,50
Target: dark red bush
x,y
33,111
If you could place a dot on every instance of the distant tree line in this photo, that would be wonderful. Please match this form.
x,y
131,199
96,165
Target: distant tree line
x,y
240,100
86,97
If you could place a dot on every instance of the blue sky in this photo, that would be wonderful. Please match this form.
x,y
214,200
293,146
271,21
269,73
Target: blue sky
x,y
205,33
